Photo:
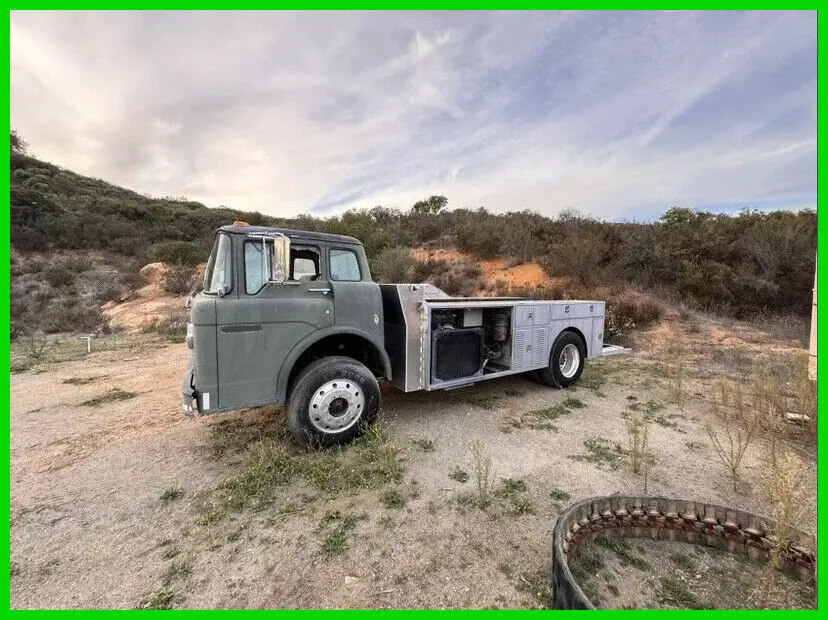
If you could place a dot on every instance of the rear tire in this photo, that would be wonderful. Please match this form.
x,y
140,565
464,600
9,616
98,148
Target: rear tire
x,y
566,361
332,402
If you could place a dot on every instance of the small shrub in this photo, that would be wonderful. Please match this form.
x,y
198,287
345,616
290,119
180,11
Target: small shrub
x,y
113,395
177,253
731,427
77,264
482,464
179,279
426,445
460,279
602,452
38,347
637,433
482,239
393,499
172,494
393,264
336,541
163,597
71,314
625,312
768,403
788,492
459,474
516,496
107,290
559,495
58,275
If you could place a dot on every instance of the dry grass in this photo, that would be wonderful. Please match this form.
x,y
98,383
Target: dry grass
x,y
731,427
370,462
674,373
637,434
768,402
806,391
787,489
641,458
482,472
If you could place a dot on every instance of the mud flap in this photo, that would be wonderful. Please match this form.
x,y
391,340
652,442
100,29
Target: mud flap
x,y
189,402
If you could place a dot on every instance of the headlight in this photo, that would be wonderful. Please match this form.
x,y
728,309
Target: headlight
x,y
190,335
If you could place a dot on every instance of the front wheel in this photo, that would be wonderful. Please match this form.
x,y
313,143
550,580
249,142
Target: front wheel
x,y
333,401
566,361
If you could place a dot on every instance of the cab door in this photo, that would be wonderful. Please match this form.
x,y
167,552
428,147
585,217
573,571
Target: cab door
x,y
258,326
357,299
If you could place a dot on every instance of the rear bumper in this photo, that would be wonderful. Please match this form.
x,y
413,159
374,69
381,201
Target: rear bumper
x,y
612,349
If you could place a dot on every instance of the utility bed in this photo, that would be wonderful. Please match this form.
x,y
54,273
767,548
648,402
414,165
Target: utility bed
x,y
437,342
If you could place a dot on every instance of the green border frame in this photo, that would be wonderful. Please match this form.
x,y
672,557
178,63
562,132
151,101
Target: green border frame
x,y
5,245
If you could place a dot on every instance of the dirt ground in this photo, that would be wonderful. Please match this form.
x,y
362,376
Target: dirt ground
x,y
108,483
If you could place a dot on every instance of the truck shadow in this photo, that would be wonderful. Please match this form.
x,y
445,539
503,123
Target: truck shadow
x,y
487,395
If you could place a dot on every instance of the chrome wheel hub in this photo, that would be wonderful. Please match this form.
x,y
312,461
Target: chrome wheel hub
x,y
569,361
336,406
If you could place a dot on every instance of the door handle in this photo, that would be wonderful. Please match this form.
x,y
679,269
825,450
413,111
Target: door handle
x,y
324,291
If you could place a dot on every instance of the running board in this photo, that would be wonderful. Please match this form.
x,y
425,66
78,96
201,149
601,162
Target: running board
x,y
612,349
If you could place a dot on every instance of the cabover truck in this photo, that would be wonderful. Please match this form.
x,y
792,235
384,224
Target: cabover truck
x,y
293,317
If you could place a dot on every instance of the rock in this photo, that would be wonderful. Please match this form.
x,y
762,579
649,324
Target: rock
x,y
155,273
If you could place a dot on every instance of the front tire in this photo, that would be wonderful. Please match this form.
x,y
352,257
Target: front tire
x,y
332,402
566,361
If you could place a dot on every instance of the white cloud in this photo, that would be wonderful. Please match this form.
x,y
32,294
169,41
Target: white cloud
x,y
614,114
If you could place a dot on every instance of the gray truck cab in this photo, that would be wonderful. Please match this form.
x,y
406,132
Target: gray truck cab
x,y
273,302
293,317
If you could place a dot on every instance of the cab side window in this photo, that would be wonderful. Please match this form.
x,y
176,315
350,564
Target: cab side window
x,y
256,265
344,266
304,264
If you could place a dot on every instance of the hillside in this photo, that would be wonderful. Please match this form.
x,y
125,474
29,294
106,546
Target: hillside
x,y
78,243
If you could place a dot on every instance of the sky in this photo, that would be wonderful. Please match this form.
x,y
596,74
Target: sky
x,y
615,115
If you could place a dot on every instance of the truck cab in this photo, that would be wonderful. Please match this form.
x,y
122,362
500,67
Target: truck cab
x,y
274,301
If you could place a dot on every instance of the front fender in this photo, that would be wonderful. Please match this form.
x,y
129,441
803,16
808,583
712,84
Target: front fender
x,y
303,345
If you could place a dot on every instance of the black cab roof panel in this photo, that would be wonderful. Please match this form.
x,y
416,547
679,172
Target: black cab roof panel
x,y
292,234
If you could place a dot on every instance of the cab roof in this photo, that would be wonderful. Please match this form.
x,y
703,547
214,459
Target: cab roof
x,y
308,235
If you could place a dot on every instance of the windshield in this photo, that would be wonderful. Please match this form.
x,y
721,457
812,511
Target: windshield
x,y
218,275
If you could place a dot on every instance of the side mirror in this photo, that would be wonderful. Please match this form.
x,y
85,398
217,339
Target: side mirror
x,y
279,259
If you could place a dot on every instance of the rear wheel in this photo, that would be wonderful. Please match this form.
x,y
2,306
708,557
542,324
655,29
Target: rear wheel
x,y
566,361
333,401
